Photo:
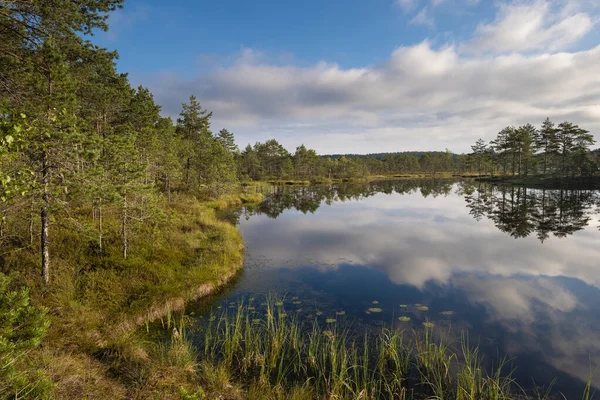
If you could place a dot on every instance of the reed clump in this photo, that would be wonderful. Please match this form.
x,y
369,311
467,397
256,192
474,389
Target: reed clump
x,y
275,355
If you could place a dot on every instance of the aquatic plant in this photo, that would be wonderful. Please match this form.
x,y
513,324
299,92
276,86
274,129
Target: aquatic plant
x,y
375,310
275,356
422,308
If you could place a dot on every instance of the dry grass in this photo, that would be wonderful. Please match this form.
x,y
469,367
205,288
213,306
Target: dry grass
x,y
97,298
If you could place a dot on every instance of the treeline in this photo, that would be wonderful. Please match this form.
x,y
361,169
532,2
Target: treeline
x,y
556,150
270,160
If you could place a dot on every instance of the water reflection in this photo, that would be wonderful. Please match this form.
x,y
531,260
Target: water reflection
x,y
406,242
521,212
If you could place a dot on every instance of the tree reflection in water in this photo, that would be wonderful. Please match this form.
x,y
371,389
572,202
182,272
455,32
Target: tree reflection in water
x,y
518,211
521,211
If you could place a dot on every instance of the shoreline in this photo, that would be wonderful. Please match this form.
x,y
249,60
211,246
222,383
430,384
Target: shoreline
x,y
95,347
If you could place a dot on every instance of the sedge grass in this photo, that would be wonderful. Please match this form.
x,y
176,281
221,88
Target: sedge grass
x,y
281,354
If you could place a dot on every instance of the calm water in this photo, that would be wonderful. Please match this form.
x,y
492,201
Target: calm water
x,y
518,268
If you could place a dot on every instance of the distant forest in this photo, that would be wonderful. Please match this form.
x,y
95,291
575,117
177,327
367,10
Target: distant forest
x,y
381,156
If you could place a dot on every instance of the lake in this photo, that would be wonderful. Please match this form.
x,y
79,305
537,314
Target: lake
x,y
517,268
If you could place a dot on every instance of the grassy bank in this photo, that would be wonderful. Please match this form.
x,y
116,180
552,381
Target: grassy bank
x,y
97,298
262,352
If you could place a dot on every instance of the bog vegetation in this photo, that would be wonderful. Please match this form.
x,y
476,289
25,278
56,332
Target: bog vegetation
x,y
107,208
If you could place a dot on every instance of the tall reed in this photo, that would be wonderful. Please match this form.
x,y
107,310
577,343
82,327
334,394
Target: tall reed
x,y
273,349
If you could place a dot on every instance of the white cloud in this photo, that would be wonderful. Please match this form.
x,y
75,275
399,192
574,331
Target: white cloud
x,y
421,97
522,67
423,18
537,25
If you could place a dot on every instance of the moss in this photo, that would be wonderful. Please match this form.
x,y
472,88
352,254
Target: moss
x,y
97,297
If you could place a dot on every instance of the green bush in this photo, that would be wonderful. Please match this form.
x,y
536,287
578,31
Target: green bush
x,y
22,329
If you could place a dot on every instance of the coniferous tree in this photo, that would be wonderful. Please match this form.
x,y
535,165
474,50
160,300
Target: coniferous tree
x,y
547,142
227,140
479,152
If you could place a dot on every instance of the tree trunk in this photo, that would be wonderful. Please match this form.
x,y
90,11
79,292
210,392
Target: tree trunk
x,y
545,159
45,223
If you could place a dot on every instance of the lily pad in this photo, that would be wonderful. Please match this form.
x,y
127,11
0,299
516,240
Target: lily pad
x,y
375,310
404,318
297,302
403,306
330,320
422,308
251,308
428,324
374,302
319,313
279,303
447,312
340,313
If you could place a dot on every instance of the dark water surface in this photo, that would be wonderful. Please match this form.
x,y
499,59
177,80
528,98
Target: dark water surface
x,y
519,269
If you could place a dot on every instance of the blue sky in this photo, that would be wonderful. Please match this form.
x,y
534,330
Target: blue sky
x,y
366,76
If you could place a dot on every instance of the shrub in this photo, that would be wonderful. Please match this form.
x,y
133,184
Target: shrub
x,y
22,329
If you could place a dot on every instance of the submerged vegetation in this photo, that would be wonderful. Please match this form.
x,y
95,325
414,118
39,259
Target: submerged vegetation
x,y
108,221
266,354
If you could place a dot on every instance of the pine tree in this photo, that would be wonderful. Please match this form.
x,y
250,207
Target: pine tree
x,y
479,151
227,140
547,142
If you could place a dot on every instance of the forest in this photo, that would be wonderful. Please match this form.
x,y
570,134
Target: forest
x,y
108,206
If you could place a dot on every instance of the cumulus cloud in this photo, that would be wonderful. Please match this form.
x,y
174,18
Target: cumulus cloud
x,y
420,97
428,95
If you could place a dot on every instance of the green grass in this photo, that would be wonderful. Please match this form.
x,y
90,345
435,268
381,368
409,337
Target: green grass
x,y
97,298
282,357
